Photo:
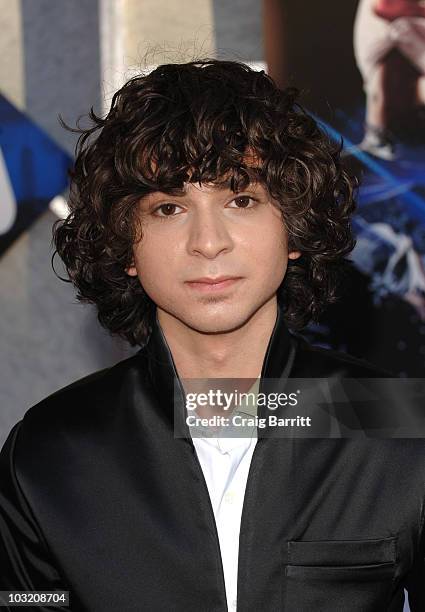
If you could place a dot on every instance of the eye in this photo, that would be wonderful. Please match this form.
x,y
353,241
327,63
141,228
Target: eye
x,y
167,209
243,201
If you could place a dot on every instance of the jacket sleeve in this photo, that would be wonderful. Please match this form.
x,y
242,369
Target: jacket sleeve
x,y
25,561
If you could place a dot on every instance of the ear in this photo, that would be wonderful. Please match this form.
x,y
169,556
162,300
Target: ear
x,y
294,254
131,271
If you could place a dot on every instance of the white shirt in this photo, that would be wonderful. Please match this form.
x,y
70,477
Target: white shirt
x,y
225,462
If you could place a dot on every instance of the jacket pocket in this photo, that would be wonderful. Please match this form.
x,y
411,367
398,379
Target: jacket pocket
x,y
335,575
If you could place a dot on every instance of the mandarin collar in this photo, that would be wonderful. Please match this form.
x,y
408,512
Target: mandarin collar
x,y
277,363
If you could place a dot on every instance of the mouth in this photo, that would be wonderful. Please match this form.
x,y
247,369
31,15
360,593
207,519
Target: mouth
x,y
208,285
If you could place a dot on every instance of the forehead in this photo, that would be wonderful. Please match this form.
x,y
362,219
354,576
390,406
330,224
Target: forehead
x,y
235,174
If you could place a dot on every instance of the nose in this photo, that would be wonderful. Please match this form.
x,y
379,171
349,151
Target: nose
x,y
208,234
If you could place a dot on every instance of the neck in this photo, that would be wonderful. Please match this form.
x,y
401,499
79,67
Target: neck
x,y
235,354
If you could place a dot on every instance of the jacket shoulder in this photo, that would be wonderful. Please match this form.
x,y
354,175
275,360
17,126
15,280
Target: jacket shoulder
x,y
92,397
71,423
319,362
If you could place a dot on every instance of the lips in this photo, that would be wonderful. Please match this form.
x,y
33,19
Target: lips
x,y
208,284
212,281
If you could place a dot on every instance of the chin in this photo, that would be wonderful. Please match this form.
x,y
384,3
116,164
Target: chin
x,y
217,321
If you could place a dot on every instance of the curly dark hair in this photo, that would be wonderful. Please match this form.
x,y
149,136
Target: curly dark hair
x,y
196,122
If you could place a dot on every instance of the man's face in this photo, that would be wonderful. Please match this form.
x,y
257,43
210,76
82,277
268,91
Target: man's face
x,y
207,233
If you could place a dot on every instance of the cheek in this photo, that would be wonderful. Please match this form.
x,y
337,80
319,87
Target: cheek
x,y
269,249
154,265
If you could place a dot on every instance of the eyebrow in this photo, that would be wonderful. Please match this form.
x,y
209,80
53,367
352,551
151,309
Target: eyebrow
x,y
182,192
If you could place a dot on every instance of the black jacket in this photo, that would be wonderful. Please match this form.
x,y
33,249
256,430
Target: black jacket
x,y
97,497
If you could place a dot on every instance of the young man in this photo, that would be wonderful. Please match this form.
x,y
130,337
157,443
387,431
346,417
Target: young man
x,y
209,220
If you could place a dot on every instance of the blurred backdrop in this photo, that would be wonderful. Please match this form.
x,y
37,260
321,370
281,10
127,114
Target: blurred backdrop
x,y
360,67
